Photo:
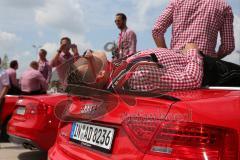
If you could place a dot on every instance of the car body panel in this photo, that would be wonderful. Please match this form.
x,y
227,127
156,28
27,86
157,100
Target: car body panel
x,y
39,128
220,109
203,106
114,119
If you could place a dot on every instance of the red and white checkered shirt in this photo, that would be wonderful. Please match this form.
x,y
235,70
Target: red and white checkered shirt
x,y
198,21
127,42
179,72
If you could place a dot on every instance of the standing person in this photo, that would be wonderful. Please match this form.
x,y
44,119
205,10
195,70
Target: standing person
x,y
44,66
32,81
14,86
127,40
197,21
63,58
4,85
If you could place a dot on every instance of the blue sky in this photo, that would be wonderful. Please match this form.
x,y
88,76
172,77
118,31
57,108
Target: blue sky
x,y
90,24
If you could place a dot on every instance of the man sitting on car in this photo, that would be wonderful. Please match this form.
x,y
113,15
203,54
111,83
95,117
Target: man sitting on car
x,y
154,69
32,81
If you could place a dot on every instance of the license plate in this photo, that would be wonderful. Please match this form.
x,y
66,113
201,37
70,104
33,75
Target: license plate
x,y
93,136
21,110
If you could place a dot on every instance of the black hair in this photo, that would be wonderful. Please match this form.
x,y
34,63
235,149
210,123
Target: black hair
x,y
66,38
33,64
44,51
13,63
124,17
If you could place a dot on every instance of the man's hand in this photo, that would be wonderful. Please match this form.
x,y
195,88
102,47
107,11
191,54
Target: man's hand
x,y
74,49
89,54
61,48
189,46
55,62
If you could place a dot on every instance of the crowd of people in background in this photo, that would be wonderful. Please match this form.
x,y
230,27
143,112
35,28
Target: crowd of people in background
x,y
32,81
36,78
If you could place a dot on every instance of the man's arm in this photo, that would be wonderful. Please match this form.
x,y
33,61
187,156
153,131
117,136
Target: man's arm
x,y
160,41
227,35
55,61
75,52
161,25
14,80
49,73
133,43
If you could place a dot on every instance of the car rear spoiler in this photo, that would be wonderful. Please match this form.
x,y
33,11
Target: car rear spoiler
x,y
223,88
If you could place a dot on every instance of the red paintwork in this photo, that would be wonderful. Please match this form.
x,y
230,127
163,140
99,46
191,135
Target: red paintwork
x,y
41,129
209,107
8,108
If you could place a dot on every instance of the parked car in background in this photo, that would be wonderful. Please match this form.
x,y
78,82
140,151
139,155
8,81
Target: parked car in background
x,y
33,123
6,114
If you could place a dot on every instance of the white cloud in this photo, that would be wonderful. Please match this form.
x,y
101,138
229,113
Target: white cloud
x,y
143,7
21,4
79,15
62,15
67,18
51,49
235,56
237,31
7,41
27,53
40,34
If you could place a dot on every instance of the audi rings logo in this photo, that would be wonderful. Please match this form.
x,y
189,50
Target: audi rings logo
x,y
89,108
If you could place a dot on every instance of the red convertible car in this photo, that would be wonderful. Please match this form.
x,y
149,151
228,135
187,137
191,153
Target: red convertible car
x,y
33,123
199,124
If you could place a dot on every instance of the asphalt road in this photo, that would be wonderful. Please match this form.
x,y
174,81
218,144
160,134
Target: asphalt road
x,y
9,151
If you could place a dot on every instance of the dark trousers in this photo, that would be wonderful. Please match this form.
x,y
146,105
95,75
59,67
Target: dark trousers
x,y
220,73
1,110
14,91
33,93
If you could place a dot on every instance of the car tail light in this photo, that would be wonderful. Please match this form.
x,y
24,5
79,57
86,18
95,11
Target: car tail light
x,y
20,109
183,140
36,108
